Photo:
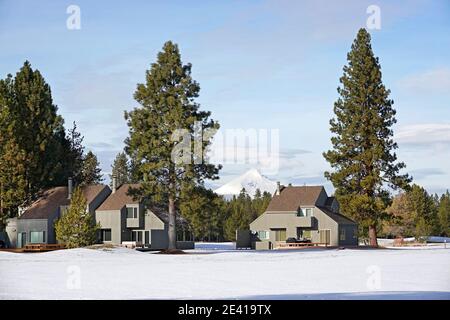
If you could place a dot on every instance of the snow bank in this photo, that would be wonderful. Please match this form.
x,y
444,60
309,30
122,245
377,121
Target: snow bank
x,y
121,273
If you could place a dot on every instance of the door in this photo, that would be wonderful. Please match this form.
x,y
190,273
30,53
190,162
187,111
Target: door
x,y
280,234
324,236
21,239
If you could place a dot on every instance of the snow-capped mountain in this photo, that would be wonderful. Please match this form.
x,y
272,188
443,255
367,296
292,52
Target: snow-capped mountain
x,y
251,180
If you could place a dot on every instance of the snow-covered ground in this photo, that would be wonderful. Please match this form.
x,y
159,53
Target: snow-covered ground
x,y
213,271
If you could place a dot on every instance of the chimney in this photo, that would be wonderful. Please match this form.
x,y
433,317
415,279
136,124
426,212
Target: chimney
x,y
278,187
114,184
69,188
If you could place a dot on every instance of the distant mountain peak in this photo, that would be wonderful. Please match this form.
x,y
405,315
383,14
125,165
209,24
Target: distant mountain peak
x,y
250,181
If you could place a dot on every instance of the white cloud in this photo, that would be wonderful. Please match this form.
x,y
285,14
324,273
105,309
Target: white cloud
x,y
424,134
430,81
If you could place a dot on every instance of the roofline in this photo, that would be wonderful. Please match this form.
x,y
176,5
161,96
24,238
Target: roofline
x,y
351,222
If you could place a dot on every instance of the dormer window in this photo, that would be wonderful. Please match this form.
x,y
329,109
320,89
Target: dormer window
x,y
132,212
304,212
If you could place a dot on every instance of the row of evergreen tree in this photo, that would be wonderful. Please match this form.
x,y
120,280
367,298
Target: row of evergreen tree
x,y
416,213
36,151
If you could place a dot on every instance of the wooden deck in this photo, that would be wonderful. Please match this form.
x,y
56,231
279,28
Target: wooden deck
x,y
296,245
42,247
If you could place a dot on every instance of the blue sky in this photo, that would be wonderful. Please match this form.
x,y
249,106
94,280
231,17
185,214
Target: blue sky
x,y
267,64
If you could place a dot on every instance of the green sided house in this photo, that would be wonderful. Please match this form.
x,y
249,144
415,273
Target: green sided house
x,y
35,224
127,221
305,213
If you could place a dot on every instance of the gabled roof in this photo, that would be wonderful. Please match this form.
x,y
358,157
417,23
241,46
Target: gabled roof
x,y
339,218
120,198
163,215
50,201
291,198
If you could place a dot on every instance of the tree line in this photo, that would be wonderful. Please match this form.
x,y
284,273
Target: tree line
x,y
36,152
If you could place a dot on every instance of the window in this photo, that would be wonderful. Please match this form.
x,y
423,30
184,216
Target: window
x,y
37,236
303,233
308,212
342,234
304,212
132,212
263,235
280,234
106,235
147,237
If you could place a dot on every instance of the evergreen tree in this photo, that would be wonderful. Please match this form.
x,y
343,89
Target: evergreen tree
x,y
241,214
444,215
363,155
423,211
37,122
76,227
75,155
31,139
400,220
204,211
91,171
121,169
168,104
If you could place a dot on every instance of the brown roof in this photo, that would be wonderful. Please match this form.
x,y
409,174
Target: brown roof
x,y
91,192
120,198
291,198
49,202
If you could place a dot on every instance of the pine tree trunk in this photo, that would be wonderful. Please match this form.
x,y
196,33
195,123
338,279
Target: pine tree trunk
x,y
373,236
172,224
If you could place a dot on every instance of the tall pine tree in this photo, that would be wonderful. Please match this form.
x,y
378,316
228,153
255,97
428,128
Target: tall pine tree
x,y
363,156
91,172
32,139
121,169
168,105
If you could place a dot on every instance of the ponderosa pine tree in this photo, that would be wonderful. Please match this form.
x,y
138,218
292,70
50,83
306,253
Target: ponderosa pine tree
x,y
121,169
363,156
92,174
168,106
76,227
